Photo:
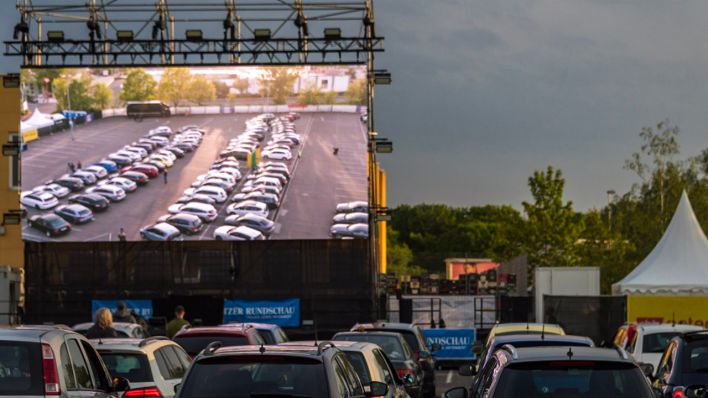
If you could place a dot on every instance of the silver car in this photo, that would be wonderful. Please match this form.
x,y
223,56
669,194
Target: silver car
x,y
42,361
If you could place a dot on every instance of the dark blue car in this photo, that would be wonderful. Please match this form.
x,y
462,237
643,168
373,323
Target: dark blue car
x,y
109,165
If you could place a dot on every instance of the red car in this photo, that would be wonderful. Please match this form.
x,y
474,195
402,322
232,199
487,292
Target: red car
x,y
194,340
148,170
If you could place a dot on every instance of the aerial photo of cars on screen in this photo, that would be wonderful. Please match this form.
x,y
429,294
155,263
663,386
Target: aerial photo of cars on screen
x,y
195,153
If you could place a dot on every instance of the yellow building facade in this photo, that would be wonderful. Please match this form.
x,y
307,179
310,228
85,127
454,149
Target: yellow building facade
x,y
11,246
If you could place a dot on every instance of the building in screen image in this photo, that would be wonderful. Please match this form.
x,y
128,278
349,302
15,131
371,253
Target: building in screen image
x,y
195,153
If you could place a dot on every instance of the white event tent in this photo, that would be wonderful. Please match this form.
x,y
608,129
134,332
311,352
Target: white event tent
x,y
678,265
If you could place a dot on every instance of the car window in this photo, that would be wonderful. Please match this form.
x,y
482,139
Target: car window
x,y
132,366
20,368
698,357
81,369
67,368
351,376
281,335
484,378
359,362
267,336
175,368
383,364
162,365
340,378
96,367
656,343
182,355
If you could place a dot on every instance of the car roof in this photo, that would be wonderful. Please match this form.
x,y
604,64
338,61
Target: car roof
x,y
512,338
298,350
129,344
344,345
269,326
31,332
667,327
555,353
383,325
375,332
122,326
509,328
218,330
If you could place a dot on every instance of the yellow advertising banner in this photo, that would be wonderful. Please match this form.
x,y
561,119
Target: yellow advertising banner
x,y
690,310
30,135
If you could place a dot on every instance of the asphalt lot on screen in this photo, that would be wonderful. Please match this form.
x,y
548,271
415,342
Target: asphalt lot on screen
x,y
319,181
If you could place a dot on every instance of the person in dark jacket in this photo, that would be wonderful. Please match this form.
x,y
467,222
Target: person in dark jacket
x,y
123,314
103,326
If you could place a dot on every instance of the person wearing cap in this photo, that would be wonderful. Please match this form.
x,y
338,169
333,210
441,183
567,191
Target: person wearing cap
x,y
123,314
177,323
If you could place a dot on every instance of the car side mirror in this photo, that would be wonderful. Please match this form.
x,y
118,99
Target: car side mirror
x,y
477,347
177,388
435,347
467,369
121,384
647,369
695,391
409,379
424,354
377,388
457,392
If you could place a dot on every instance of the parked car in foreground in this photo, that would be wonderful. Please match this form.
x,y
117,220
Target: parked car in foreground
x,y
49,224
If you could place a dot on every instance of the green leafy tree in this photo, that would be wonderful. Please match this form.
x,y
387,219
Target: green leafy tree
x,y
313,95
200,90
277,84
399,256
173,86
101,96
72,92
552,228
50,74
138,86
356,92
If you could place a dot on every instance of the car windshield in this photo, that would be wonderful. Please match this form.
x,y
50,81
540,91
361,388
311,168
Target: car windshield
x,y
55,222
657,342
357,359
698,357
572,379
255,377
390,344
194,344
20,369
132,366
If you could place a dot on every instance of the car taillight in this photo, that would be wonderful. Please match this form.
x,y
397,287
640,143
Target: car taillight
x,y
49,371
147,392
416,356
403,372
677,392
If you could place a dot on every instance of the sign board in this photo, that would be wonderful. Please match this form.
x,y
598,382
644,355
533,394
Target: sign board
x,y
141,307
278,312
684,310
456,343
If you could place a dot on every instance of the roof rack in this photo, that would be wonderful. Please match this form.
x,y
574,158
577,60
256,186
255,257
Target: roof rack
x,y
511,349
151,339
622,353
212,347
323,346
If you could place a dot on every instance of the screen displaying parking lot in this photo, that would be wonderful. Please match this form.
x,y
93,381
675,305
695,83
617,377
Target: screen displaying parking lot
x,y
195,153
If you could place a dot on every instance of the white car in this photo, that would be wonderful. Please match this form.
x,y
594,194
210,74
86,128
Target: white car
x,y
226,164
237,233
120,159
228,177
169,154
154,366
274,182
650,341
132,155
162,158
136,150
218,182
121,182
277,154
351,218
350,230
202,210
98,171
353,207
159,140
216,193
39,200
110,192
54,189
160,131
248,206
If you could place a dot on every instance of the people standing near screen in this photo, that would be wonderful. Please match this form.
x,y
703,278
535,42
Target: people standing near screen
x,y
177,323
71,167
103,326
123,314
164,175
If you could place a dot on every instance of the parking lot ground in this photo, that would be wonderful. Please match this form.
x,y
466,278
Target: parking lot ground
x,y
446,379
318,183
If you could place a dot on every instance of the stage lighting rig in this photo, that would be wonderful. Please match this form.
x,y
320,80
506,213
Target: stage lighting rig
x,y
21,27
332,33
94,27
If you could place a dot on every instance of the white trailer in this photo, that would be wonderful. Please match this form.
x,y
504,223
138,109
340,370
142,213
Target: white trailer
x,y
10,294
564,281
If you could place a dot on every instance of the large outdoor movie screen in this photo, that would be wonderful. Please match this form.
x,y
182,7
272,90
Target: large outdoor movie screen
x,y
195,153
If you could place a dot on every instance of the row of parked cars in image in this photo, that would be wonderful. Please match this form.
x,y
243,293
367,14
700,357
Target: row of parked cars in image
x,y
540,360
251,202
93,188
231,360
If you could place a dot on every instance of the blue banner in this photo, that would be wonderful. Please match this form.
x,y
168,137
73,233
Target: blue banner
x,y
141,307
278,312
455,344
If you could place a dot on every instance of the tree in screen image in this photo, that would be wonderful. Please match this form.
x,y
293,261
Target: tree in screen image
x,y
356,92
277,84
200,90
72,92
173,86
101,97
138,86
313,95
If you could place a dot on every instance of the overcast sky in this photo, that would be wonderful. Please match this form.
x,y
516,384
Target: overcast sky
x,y
487,91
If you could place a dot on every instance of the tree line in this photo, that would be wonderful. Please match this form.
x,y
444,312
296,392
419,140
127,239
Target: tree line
x,y
179,87
616,237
